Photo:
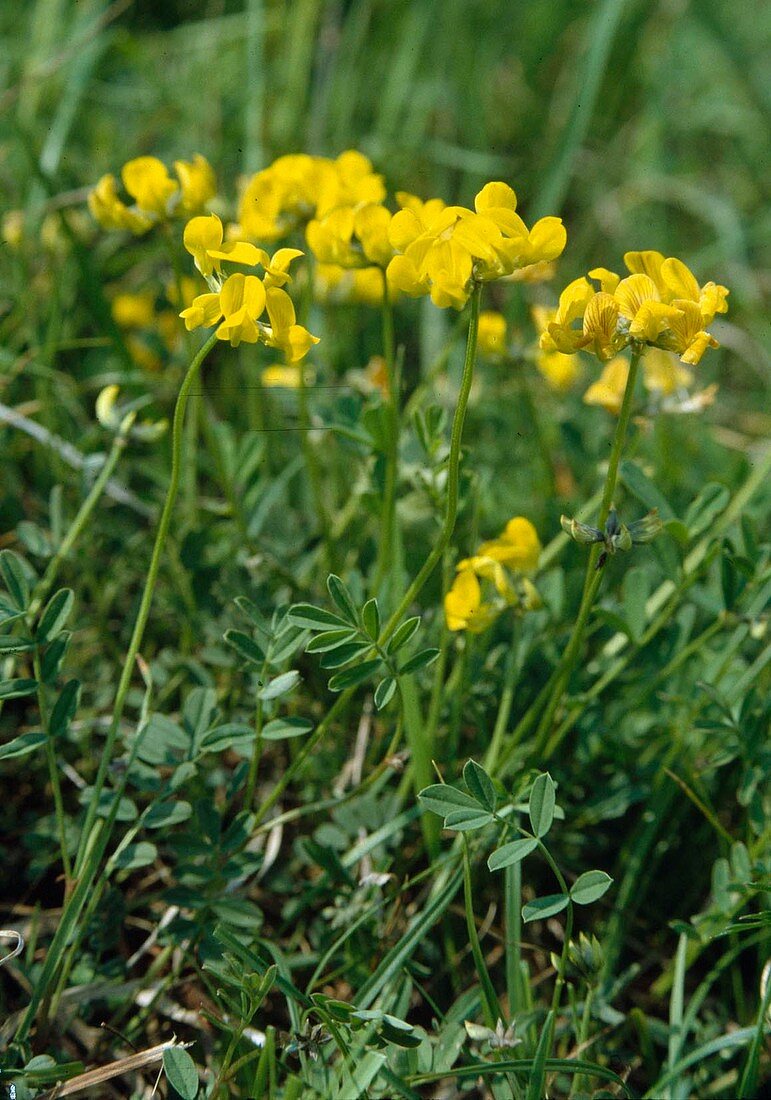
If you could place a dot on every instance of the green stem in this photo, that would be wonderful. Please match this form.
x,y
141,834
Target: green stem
x,y
254,763
513,925
561,969
388,535
492,1009
53,773
147,596
453,469
81,519
593,577
303,755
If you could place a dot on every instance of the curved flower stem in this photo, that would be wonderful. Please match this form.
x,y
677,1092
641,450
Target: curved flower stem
x,y
310,454
593,577
147,597
387,554
190,472
453,469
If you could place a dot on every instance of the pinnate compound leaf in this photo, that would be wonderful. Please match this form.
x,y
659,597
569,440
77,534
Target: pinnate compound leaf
x,y
244,646
403,633
162,815
541,908
330,639
589,886
180,1072
282,728
480,785
15,689
542,800
512,852
341,594
315,618
370,616
420,660
16,645
384,692
280,685
14,576
136,855
350,677
22,745
443,799
65,708
55,615
463,821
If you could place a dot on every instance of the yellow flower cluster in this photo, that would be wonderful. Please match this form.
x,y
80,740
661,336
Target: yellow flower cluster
x,y
236,303
499,564
660,304
443,250
157,195
298,187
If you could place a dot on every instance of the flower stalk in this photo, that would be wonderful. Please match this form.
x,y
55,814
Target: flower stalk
x,y
593,577
147,596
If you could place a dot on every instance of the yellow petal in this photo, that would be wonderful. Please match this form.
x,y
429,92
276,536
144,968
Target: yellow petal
x,y
608,280
679,279
280,311
242,292
204,311
462,600
495,194
148,182
547,240
632,292
239,252
197,181
645,263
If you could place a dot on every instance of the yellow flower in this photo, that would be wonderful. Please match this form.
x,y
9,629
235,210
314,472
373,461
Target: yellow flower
x,y
600,324
148,182
294,340
608,390
134,310
518,546
442,249
299,187
352,236
492,333
111,213
242,302
197,182
463,607
560,334
660,304
203,239
559,370
277,266
516,549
